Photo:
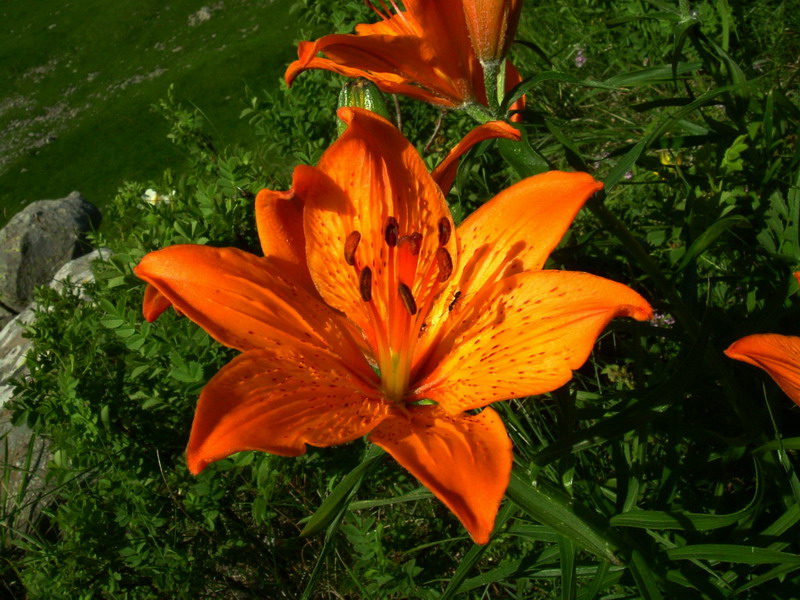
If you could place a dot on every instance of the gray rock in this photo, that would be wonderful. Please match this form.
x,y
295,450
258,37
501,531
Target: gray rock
x,y
24,490
5,315
37,241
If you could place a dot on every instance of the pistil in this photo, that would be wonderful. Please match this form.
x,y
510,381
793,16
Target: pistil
x,y
396,333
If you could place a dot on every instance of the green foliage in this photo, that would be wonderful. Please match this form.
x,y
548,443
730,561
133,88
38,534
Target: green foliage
x,y
663,470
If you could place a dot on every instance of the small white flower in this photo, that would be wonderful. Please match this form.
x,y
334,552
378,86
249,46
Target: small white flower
x,y
151,196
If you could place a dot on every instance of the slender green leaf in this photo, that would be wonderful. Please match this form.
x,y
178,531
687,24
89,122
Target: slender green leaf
x,y
733,553
655,132
466,564
773,573
549,506
644,577
522,157
327,547
624,164
418,494
650,75
783,523
341,494
687,521
539,533
574,157
525,86
792,443
604,576
569,583
682,521
709,236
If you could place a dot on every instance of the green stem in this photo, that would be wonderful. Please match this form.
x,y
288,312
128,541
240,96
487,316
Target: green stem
x,y
490,71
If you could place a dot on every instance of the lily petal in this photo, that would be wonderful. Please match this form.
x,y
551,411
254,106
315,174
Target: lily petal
x,y
154,303
369,174
445,173
396,64
279,219
465,460
778,355
512,233
521,336
243,301
277,401
518,229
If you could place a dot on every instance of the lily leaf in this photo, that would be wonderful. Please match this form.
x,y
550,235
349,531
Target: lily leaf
x,y
333,505
548,505
709,236
733,553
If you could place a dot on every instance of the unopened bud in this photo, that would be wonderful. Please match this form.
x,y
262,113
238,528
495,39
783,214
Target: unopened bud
x,y
361,93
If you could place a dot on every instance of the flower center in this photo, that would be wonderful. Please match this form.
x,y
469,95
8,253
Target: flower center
x,y
407,289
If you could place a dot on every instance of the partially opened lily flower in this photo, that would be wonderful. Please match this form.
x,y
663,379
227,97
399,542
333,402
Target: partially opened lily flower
x,y
424,52
778,355
371,314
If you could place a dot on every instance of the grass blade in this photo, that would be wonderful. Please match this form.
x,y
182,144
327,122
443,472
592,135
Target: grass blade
x,y
333,505
733,553
567,551
550,506
474,554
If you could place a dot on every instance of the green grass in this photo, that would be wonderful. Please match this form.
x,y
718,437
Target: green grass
x,y
85,73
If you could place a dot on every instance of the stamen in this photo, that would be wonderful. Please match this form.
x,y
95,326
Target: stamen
x,y
365,284
445,229
350,245
445,264
392,232
408,298
376,10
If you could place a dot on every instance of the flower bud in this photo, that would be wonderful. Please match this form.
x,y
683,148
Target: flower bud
x,y
492,25
361,93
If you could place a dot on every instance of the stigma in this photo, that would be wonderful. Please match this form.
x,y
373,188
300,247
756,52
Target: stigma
x,y
399,291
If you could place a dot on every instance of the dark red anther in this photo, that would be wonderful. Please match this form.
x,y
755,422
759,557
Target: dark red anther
x,y
365,284
350,245
407,297
392,232
445,264
413,241
445,229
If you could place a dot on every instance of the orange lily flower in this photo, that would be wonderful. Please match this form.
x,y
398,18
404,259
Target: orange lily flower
x,y
423,52
778,355
371,314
